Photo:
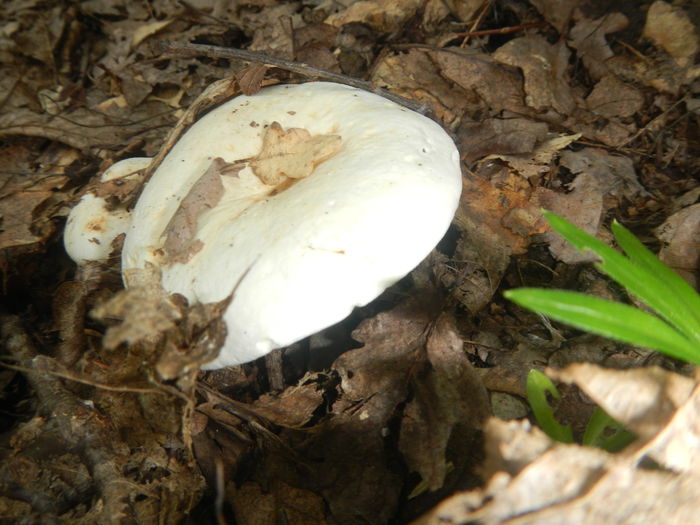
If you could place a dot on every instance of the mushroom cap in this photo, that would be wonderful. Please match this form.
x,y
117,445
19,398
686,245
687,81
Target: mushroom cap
x,y
298,259
92,225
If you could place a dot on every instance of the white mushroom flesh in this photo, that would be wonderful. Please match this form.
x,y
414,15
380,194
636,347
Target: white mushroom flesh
x,y
92,225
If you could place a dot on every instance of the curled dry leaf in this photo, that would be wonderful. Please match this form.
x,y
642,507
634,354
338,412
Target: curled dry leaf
x,y
681,236
642,399
144,310
196,341
671,29
536,481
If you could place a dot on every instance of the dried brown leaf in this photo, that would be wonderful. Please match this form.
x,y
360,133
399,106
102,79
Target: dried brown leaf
x,y
250,79
145,310
197,340
500,86
448,395
672,29
180,243
603,180
292,154
500,137
613,98
414,75
545,68
255,506
386,16
556,12
680,234
539,161
295,406
588,38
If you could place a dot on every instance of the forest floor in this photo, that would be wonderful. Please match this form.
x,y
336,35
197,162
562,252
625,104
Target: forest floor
x,y
415,408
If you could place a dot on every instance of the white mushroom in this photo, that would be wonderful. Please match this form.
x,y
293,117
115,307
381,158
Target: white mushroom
x,y
93,224
300,202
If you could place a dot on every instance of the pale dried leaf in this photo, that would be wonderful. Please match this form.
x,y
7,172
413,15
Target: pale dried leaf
x,y
538,161
497,84
642,399
680,234
414,75
671,29
677,446
512,136
148,29
615,174
292,154
386,16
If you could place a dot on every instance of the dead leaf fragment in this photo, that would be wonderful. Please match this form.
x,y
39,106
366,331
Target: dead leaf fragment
x,y
642,399
603,179
180,243
556,12
148,29
677,446
500,137
292,154
588,38
145,310
681,236
497,84
539,160
545,68
414,75
448,396
613,98
672,29
385,16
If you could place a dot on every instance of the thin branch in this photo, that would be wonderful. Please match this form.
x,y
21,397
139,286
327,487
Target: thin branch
x,y
193,50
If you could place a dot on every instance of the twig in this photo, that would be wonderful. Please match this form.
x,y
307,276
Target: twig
x,y
43,363
485,9
77,422
501,30
193,50
652,122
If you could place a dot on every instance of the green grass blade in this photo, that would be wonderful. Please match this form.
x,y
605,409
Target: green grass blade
x,y
538,385
604,432
688,298
614,320
641,280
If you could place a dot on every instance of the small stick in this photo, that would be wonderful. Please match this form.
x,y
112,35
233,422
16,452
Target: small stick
x,y
192,50
501,30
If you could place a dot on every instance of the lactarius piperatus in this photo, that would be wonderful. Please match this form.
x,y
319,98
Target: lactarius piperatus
x,y
302,202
